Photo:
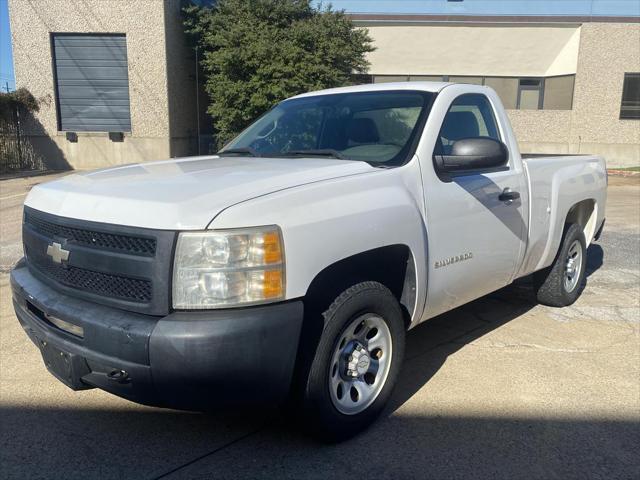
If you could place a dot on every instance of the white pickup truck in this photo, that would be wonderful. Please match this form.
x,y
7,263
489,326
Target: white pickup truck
x,y
287,268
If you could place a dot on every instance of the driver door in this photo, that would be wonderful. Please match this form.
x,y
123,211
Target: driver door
x,y
475,239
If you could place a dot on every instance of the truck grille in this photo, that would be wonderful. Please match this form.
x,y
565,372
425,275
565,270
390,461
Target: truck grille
x,y
123,243
121,266
97,283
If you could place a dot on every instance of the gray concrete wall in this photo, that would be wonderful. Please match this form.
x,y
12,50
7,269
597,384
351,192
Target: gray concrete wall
x,y
159,118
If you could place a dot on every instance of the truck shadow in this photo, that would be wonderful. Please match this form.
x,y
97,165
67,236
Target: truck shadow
x,y
431,343
595,258
91,435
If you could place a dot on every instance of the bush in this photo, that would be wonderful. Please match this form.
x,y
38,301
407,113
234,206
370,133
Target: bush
x,y
21,98
255,53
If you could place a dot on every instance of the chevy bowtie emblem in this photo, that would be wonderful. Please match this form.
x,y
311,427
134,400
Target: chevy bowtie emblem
x,y
57,253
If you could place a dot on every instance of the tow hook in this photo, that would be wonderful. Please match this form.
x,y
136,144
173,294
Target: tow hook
x,y
119,376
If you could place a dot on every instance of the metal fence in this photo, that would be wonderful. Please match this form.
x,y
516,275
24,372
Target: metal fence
x,y
16,151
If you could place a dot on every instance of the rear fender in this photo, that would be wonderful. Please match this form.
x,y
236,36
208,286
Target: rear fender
x,y
578,195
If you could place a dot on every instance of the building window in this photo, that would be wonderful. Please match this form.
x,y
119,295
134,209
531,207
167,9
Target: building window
x,y
469,80
425,78
630,108
91,82
551,93
530,94
558,93
506,88
390,78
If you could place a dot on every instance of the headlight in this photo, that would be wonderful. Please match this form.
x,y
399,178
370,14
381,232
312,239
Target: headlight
x,y
228,268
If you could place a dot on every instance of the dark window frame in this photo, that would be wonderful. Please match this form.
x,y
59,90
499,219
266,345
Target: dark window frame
x,y
624,92
539,88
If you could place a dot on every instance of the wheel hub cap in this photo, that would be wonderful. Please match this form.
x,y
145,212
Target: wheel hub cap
x,y
573,266
360,364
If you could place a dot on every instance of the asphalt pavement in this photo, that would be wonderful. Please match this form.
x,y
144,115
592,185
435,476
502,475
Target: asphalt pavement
x,y
500,388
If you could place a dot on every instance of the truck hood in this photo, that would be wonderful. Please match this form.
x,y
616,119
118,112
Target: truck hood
x,y
182,194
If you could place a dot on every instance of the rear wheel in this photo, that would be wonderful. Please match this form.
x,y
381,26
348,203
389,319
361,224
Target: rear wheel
x,y
561,284
356,363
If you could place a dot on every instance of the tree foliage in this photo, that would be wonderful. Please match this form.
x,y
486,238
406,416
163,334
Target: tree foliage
x,y
255,53
20,98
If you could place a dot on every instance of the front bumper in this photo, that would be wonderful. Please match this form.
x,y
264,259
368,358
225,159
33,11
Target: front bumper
x,y
189,360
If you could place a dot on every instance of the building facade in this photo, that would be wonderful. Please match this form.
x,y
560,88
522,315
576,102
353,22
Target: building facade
x,y
115,78
570,84
118,81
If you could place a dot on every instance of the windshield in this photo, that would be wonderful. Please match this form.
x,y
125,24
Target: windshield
x,y
376,127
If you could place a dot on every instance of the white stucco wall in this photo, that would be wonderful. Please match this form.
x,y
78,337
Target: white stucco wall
x,y
504,50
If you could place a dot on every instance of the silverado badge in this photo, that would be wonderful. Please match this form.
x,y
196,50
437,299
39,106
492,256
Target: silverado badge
x,y
455,259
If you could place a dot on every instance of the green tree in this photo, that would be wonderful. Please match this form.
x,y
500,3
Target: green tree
x,y
255,53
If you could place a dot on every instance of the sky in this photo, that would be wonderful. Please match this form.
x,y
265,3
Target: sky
x,y
493,7
6,62
463,7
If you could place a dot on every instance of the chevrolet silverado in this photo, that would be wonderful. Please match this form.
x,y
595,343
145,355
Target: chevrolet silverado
x,y
287,268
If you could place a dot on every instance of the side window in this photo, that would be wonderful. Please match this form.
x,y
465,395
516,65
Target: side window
x,y
469,116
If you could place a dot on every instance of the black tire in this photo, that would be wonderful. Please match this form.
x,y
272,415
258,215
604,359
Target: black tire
x,y
319,413
549,283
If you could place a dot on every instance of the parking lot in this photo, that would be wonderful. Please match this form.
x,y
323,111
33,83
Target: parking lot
x,y
500,388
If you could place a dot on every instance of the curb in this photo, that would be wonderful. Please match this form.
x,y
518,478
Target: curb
x,y
622,173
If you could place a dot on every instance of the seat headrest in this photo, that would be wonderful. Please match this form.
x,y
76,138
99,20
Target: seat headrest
x,y
458,125
363,130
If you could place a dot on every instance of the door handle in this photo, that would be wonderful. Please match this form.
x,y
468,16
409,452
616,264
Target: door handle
x,y
508,195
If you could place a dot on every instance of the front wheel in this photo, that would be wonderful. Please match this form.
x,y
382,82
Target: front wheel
x,y
356,363
561,284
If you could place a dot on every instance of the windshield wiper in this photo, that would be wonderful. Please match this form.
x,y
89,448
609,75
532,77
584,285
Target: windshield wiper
x,y
238,151
321,152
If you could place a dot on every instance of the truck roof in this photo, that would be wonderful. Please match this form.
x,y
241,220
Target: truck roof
x,y
376,87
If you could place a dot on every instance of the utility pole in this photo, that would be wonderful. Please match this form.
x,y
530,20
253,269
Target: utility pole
x,y
198,100
6,84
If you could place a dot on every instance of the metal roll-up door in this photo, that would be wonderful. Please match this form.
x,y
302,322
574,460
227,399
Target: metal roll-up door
x,y
92,83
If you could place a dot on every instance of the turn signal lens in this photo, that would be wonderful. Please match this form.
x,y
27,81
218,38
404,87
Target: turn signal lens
x,y
273,284
272,248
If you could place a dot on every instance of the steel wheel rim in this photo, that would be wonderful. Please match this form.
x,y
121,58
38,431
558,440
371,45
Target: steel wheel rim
x,y
360,364
573,266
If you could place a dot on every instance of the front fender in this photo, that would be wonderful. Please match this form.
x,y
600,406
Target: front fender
x,y
328,221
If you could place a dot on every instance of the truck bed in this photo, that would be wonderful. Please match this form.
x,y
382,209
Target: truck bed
x,y
557,182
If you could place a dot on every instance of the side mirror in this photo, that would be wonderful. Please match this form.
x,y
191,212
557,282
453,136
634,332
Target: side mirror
x,y
473,154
